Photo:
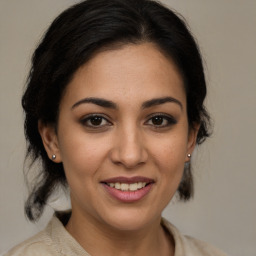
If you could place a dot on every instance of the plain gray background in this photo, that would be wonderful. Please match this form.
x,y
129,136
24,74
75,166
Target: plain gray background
x,y
223,211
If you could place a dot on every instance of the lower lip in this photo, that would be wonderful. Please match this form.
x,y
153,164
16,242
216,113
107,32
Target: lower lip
x,y
128,196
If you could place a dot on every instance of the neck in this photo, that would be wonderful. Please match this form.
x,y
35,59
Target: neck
x,y
99,239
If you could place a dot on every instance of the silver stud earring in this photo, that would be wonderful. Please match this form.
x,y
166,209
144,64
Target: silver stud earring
x,y
53,157
189,155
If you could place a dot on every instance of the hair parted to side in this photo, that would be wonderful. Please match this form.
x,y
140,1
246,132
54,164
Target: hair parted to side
x,y
72,39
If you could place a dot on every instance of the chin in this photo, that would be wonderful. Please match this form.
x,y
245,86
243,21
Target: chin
x,y
129,220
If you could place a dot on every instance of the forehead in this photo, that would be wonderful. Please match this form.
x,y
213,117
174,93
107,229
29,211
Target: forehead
x,y
130,73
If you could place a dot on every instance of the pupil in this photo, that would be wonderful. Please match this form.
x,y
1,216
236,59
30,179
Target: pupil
x,y
157,120
96,120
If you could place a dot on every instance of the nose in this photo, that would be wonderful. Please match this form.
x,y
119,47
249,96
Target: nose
x,y
129,149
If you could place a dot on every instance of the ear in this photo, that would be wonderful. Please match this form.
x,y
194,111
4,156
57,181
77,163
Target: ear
x,y
192,136
50,141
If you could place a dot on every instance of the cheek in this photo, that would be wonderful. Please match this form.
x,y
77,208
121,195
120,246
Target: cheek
x,y
169,157
82,155
170,152
171,166
170,162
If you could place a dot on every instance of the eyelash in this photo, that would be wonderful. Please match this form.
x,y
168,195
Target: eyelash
x,y
162,117
89,118
167,118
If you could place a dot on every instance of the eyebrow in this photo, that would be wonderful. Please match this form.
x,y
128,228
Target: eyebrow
x,y
110,104
159,101
97,101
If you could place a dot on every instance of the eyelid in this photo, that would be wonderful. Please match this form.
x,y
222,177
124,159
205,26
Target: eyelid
x,y
171,120
88,116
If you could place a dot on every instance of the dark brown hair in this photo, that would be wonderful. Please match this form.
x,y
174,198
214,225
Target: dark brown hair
x,y
71,40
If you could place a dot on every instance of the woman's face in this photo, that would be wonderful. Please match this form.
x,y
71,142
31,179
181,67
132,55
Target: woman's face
x,y
123,136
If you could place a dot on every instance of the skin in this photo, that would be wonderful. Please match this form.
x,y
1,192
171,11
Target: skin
x,y
127,142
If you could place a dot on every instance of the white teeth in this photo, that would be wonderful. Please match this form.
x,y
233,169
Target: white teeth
x,y
124,186
111,185
133,187
141,185
117,185
127,187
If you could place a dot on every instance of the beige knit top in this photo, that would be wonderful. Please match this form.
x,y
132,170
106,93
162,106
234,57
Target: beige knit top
x,y
55,240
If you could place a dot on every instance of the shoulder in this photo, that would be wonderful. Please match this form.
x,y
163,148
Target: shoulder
x,y
186,245
53,240
201,248
40,244
37,245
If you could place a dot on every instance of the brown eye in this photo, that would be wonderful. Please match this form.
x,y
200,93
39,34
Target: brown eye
x,y
161,121
157,120
95,121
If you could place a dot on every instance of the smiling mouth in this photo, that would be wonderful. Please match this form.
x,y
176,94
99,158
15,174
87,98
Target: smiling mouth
x,y
127,187
128,183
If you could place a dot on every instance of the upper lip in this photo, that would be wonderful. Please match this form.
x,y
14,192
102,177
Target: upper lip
x,y
128,180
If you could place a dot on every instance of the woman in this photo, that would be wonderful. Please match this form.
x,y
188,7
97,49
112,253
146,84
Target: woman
x,y
114,109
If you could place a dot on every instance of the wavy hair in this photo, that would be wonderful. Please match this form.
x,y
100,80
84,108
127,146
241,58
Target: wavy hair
x,y
72,39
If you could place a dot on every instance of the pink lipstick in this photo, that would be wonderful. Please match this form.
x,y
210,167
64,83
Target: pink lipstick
x,y
128,189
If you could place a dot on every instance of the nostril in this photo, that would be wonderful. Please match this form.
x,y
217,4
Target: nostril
x,y
128,150
129,160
